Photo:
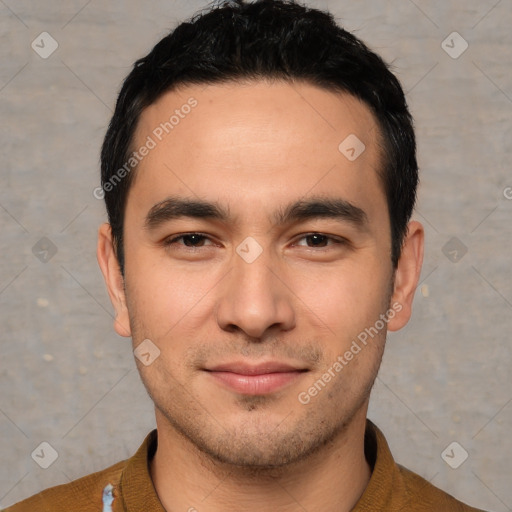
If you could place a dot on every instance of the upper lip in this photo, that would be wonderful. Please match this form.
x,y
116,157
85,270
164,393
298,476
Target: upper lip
x,y
244,368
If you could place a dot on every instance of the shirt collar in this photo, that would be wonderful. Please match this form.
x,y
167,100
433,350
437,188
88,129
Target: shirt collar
x,y
136,488
137,492
385,489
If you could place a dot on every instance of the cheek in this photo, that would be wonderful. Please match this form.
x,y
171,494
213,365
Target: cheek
x,y
347,299
164,297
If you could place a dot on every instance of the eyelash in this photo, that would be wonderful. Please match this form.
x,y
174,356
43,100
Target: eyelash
x,y
339,241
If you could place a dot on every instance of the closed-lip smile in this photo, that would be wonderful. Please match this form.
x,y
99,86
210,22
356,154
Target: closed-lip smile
x,y
255,379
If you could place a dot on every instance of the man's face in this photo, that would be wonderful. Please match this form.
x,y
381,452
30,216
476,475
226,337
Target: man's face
x,y
222,313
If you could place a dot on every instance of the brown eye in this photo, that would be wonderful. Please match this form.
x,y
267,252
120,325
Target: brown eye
x,y
319,240
192,240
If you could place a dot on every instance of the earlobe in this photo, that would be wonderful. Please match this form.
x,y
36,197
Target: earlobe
x,y
109,266
122,327
407,275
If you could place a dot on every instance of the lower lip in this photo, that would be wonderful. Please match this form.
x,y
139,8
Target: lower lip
x,y
255,384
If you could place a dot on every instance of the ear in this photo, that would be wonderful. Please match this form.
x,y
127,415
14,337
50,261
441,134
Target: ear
x,y
407,275
111,271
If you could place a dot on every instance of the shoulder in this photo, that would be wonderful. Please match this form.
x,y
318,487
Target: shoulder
x,y
394,487
126,484
427,497
84,494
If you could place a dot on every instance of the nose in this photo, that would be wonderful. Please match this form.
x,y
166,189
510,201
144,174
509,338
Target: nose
x,y
256,297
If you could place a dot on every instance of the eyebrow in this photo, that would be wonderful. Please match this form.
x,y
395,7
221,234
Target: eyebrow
x,y
175,207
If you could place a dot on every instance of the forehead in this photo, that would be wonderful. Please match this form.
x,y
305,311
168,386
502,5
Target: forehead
x,y
257,140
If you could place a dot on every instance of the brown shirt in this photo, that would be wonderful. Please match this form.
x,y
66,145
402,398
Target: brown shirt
x,y
391,488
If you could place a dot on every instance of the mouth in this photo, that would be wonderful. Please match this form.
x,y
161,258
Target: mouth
x,y
260,379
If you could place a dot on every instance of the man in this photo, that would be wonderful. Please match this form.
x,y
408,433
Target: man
x,y
259,174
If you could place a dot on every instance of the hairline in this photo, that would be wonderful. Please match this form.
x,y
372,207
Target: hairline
x,y
380,137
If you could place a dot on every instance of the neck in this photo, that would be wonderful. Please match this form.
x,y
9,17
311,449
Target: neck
x,y
332,479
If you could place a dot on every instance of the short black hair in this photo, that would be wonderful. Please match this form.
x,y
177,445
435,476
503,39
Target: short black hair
x,y
266,39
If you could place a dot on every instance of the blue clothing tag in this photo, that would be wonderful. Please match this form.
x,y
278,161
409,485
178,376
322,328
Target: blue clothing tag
x,y
108,498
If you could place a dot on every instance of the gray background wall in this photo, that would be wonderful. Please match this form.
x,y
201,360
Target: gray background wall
x,y
68,379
